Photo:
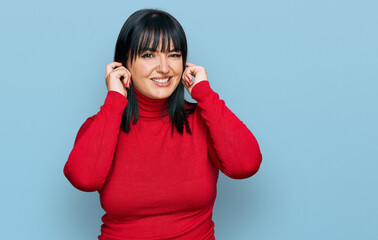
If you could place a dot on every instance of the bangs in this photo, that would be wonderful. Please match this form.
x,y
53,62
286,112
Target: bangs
x,y
149,38
151,41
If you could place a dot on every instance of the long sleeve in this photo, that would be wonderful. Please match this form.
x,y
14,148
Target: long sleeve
x,y
92,155
232,146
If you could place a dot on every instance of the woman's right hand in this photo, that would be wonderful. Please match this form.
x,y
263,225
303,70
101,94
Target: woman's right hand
x,y
114,72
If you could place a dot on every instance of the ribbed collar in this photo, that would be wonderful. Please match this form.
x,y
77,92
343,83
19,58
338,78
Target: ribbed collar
x,y
149,107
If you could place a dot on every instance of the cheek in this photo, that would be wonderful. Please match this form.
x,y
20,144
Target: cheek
x,y
177,68
141,70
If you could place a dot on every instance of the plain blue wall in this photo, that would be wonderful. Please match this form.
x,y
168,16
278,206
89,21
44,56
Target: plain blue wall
x,y
302,75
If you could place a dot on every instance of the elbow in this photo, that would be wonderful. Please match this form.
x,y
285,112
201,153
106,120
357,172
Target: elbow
x,y
255,165
81,182
249,161
248,167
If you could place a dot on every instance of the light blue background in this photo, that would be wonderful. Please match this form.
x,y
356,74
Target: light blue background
x,y
302,75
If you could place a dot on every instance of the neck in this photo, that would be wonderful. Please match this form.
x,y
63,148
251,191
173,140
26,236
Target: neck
x,y
149,107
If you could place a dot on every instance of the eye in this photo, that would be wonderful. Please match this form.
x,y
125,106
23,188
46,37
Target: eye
x,y
175,55
147,55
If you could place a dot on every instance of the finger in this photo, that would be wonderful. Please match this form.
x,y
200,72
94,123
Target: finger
x,y
122,74
188,79
128,72
126,79
189,76
190,64
191,71
118,70
184,74
186,84
111,66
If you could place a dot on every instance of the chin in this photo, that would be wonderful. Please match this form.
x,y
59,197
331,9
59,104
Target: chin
x,y
164,92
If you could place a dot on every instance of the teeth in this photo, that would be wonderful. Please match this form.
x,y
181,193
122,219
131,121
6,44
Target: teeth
x,y
161,80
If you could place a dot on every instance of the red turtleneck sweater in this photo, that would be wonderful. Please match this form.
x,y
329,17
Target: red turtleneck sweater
x,y
154,185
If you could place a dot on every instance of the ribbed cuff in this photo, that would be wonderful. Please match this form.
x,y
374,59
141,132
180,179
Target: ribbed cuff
x,y
116,99
200,90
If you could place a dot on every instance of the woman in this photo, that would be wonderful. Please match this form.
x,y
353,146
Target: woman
x,y
153,157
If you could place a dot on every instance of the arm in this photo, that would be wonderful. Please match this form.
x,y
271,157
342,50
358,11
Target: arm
x,y
92,155
232,146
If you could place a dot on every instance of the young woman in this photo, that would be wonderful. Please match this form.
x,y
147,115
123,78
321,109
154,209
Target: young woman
x,y
153,157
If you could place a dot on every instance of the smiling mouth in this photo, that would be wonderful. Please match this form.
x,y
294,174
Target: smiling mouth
x,y
161,80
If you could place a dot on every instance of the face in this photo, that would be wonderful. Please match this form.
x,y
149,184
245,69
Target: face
x,y
156,74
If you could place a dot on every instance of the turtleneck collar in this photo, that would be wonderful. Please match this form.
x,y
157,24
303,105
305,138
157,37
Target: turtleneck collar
x,y
149,107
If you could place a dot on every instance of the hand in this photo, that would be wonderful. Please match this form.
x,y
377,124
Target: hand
x,y
114,72
191,70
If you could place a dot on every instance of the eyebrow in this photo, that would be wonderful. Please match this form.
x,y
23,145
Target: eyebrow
x,y
154,50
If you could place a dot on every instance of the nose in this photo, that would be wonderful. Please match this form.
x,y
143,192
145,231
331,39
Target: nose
x,y
162,65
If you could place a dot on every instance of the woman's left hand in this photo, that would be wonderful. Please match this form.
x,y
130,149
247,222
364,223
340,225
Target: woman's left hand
x,y
192,70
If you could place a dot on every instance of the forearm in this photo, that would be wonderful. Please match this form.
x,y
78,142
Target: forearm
x,y
235,149
92,155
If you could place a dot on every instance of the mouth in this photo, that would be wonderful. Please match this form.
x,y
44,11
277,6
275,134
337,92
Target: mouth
x,y
161,79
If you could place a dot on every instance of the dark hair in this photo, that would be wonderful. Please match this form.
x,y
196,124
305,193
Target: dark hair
x,y
142,28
